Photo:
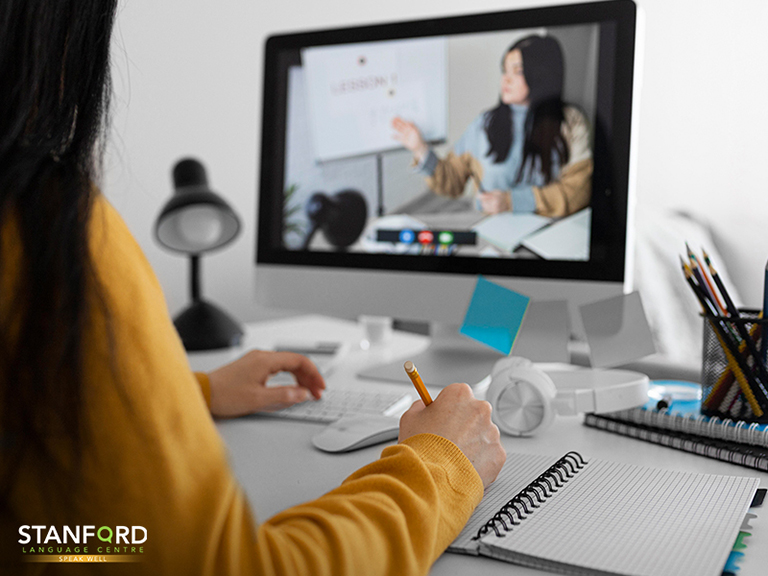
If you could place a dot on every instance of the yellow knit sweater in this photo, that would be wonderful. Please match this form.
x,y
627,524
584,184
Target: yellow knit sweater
x,y
157,461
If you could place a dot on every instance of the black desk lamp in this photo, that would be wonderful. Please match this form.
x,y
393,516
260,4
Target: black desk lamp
x,y
193,221
341,217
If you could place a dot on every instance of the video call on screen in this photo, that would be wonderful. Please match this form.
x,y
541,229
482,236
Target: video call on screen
x,y
472,145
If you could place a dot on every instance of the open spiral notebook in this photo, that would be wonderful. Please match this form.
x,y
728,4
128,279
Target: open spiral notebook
x,y
579,515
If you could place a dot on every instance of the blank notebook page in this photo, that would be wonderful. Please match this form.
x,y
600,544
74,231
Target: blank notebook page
x,y
625,519
518,471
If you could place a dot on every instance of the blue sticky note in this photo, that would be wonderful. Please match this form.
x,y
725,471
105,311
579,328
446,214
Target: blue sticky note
x,y
494,315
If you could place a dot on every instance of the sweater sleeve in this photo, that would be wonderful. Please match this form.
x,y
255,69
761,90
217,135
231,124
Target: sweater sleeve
x,y
205,386
572,191
451,173
394,516
448,176
168,469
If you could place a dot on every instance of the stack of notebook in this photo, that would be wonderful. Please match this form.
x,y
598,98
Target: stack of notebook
x,y
682,426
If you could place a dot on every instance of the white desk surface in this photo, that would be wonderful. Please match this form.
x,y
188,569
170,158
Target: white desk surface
x,y
278,467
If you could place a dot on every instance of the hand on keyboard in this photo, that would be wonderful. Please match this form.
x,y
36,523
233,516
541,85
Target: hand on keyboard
x,y
240,388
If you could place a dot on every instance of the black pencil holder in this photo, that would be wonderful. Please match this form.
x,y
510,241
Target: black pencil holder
x,y
734,386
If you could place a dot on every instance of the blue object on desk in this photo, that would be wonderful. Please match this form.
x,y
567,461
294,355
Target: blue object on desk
x,y
686,403
679,396
495,315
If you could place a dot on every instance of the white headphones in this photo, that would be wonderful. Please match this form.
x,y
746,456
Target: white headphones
x,y
525,398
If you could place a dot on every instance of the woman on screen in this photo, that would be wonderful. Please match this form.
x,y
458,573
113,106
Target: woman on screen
x,y
531,153
103,425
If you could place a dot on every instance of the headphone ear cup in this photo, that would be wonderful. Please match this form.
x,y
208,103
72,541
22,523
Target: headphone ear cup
x,y
521,396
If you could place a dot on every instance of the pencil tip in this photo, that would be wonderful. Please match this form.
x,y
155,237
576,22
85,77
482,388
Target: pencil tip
x,y
692,257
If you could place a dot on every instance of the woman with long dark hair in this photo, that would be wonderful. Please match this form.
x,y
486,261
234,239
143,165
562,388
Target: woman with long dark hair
x,y
102,422
530,153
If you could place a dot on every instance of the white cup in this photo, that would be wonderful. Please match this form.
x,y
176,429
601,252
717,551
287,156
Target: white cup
x,y
376,330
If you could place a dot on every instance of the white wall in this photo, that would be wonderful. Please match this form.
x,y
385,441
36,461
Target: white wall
x,y
188,82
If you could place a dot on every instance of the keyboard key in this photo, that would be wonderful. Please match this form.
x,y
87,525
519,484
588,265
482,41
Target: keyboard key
x,y
346,402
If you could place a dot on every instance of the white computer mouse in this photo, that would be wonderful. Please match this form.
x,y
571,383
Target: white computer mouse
x,y
353,432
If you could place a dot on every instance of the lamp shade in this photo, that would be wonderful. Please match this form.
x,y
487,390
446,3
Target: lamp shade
x,y
195,219
341,217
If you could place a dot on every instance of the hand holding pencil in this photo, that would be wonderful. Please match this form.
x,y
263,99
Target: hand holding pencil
x,y
459,417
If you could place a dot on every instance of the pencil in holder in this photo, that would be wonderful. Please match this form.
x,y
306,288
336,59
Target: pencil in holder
x,y
734,374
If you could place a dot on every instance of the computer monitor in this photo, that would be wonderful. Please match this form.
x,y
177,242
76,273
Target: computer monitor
x,y
400,161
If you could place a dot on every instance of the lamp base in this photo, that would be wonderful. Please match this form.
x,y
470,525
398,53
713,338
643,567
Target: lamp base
x,y
204,326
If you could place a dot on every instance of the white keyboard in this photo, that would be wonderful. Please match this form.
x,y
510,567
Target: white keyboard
x,y
324,355
346,402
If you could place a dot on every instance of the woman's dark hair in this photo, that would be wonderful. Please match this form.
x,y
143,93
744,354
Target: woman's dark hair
x,y
54,96
543,70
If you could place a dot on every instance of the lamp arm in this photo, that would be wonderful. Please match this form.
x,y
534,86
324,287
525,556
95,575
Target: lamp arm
x,y
194,277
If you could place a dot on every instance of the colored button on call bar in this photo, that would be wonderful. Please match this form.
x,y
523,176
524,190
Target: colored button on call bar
x,y
442,237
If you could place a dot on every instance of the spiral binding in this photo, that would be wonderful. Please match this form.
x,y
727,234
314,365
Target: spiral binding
x,y
517,509
698,424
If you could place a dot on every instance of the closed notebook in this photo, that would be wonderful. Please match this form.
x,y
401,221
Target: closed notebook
x,y
748,455
685,416
577,515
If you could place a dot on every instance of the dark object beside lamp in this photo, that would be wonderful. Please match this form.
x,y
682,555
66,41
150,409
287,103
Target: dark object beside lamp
x,y
341,217
193,221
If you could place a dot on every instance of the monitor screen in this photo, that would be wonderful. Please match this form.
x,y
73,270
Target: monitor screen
x,y
495,144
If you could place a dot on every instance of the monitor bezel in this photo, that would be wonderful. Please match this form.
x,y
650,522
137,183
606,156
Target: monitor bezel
x,y
609,238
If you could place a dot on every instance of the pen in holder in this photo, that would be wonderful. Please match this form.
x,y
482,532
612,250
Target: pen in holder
x,y
734,374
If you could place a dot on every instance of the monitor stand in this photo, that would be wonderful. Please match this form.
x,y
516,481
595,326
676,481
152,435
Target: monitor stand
x,y
450,358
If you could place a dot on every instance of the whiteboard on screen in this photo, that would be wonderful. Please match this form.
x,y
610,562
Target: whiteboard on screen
x,y
355,90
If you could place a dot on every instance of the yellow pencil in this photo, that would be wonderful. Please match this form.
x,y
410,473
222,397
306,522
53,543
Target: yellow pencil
x,y
413,374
